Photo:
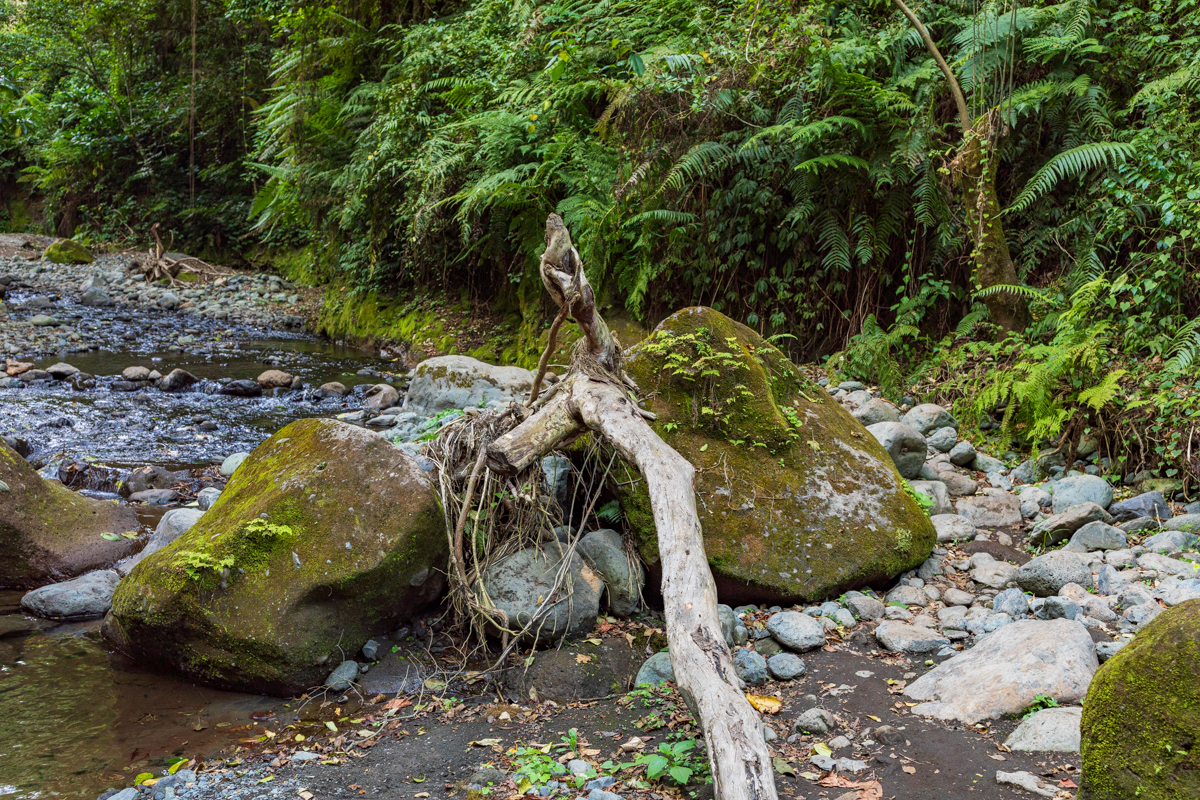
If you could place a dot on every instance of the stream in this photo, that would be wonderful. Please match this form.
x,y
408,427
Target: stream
x,y
75,718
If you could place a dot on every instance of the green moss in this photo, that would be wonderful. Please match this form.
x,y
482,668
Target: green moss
x,y
315,559
796,499
47,531
1140,731
67,251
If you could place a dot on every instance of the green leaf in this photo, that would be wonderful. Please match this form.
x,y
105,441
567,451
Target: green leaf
x,y
680,774
142,778
782,767
112,537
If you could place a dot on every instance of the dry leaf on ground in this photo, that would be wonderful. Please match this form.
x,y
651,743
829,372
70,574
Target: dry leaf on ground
x,y
765,703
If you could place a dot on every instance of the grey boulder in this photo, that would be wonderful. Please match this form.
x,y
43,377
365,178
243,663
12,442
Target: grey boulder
x,y
172,525
952,527
910,639
785,666
604,551
525,586
903,443
461,382
938,492
1048,573
656,669
876,410
231,463
1081,489
1147,504
998,510
751,667
342,676
1098,536
928,417
1006,670
1188,523
962,453
796,631
1049,730
86,597
1060,526
943,439
207,497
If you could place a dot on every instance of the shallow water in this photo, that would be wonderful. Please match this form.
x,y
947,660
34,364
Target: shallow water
x,y
75,720
149,426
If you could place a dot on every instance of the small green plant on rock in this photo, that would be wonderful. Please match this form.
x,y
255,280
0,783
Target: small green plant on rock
x,y
199,566
263,529
1040,702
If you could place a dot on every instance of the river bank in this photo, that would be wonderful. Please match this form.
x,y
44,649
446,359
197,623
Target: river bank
x,y
415,723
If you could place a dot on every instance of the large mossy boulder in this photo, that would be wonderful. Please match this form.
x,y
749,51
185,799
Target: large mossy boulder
x,y
797,500
67,251
1141,717
48,533
325,536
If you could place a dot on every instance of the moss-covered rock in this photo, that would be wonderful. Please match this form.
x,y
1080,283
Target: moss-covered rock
x,y
67,251
325,536
797,500
48,533
1141,716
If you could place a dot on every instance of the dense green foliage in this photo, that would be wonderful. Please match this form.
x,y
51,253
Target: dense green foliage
x,y
795,165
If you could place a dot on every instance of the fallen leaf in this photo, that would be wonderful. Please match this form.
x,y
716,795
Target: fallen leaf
x,y
112,537
822,749
485,742
419,780
593,641
582,659
267,779
421,794
633,744
783,767
872,716
997,757
397,704
434,685
809,776
304,794
331,726
1067,783
765,703
909,770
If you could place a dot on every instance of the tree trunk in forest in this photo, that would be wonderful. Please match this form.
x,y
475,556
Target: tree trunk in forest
x,y
976,167
595,396
977,164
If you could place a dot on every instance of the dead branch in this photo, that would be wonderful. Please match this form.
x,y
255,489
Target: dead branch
x,y
596,396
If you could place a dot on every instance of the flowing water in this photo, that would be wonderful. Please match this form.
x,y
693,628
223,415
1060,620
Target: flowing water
x,y
76,719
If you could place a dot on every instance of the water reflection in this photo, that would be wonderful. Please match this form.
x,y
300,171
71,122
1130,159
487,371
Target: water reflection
x,y
75,720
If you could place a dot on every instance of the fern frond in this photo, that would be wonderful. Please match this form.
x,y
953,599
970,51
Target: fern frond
x,y
1027,292
1185,80
1075,161
833,160
1184,347
1101,394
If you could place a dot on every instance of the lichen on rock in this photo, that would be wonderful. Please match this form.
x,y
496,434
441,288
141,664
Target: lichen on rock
x,y
796,499
1140,733
325,536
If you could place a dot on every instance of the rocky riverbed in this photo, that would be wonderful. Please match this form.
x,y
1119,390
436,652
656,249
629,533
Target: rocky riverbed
x,y
961,672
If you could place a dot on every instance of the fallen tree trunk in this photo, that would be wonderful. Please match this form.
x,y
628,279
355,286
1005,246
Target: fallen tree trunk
x,y
596,396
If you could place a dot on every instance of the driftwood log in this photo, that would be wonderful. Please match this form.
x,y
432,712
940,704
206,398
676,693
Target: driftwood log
x,y
596,396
